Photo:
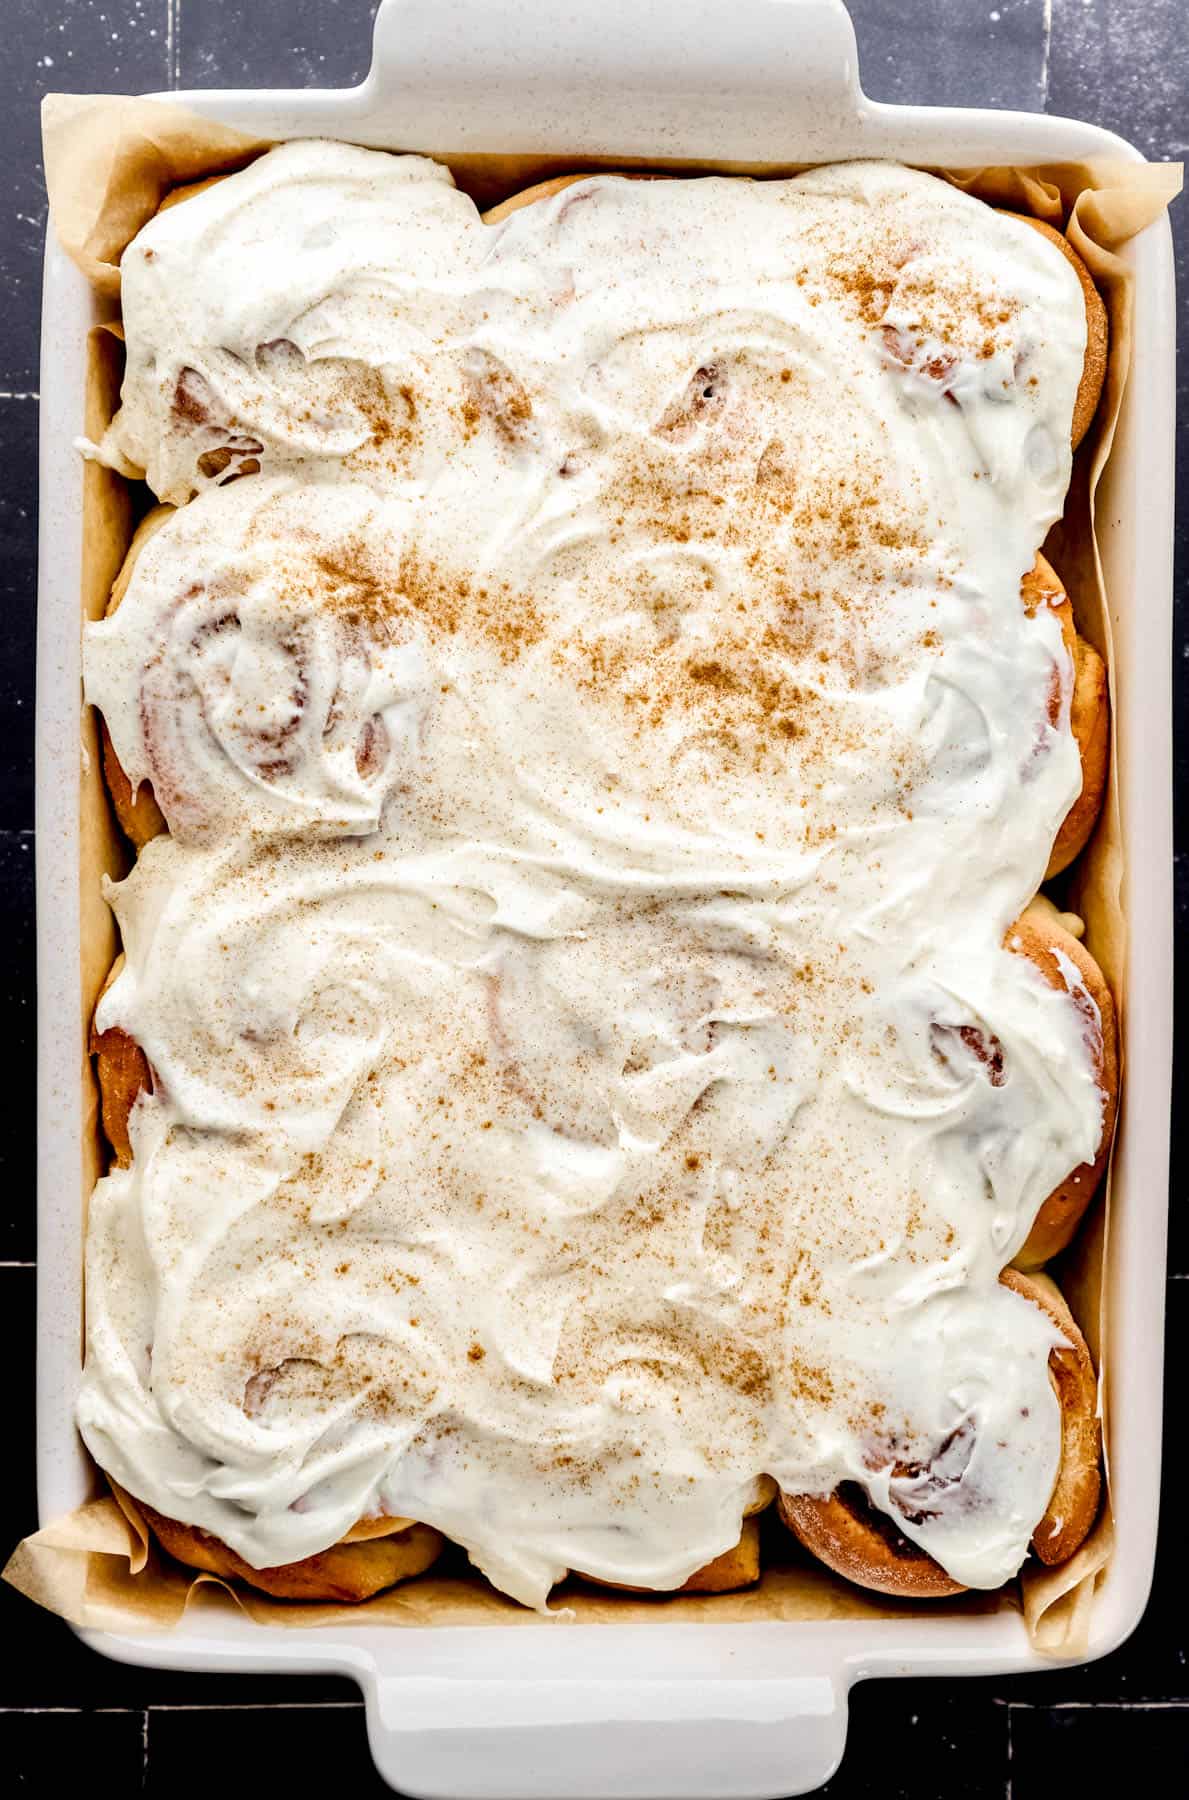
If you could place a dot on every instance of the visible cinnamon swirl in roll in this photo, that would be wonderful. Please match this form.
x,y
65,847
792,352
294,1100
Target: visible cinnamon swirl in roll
x,y
865,1543
1043,936
257,658
343,260
331,358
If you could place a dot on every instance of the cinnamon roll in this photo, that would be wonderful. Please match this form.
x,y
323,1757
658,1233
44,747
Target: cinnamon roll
x,y
1094,367
738,1567
1041,934
375,1554
122,1074
344,261
258,655
1089,714
866,1545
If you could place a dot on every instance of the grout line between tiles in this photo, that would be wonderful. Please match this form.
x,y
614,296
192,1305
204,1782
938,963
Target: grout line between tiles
x,y
6,1264
69,1711
188,1706
144,1749
19,394
1096,1706
1007,1791
164,1706
173,49
1047,28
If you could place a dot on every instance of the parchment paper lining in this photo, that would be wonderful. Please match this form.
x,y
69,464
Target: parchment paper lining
x,y
109,162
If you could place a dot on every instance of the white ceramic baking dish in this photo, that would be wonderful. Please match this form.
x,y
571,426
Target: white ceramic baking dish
x,y
658,1709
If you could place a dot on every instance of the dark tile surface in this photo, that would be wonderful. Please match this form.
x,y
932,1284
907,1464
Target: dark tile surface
x,y
909,1739
18,587
1126,66
73,46
303,1751
45,1754
1098,1749
305,43
1124,63
942,53
17,1150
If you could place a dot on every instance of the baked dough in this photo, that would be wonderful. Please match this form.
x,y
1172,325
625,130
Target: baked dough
x,y
855,1540
139,816
1097,337
737,1567
122,1072
1089,715
1040,935
375,1554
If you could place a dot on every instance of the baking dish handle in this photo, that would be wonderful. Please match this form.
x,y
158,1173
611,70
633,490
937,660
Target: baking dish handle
x,y
623,1739
541,71
676,78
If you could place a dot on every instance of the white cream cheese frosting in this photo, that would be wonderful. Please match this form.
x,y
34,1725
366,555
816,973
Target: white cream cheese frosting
x,y
604,749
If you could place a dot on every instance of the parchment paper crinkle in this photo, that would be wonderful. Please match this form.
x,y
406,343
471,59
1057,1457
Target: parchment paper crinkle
x,y
109,162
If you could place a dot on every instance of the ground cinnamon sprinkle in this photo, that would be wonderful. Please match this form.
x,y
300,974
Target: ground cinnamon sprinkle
x,y
360,581
965,315
393,416
496,397
354,580
808,1383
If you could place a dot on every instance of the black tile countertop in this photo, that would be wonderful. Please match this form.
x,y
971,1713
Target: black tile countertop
x,y
65,1714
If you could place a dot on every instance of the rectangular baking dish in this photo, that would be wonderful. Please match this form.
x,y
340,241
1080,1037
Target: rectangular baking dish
x,y
658,1709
